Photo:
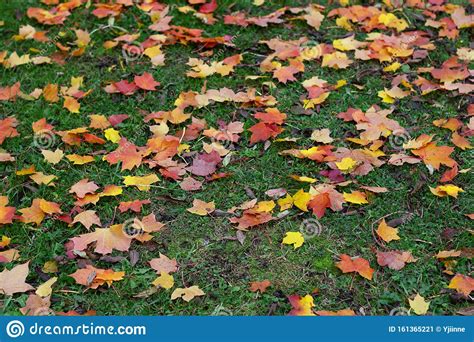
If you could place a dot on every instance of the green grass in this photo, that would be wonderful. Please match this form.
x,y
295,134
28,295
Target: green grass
x,y
223,268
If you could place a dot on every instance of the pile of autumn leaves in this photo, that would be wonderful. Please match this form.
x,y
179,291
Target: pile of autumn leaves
x,y
169,153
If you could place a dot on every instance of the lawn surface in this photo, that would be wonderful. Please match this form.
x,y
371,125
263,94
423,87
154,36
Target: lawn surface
x,y
207,248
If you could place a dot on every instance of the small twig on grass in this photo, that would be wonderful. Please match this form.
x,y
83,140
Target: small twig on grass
x,y
423,241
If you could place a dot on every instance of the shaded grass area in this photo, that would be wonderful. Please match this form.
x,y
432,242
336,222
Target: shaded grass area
x,y
222,267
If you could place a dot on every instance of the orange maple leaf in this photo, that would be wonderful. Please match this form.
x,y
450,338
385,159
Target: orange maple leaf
x,y
7,128
434,155
260,285
462,283
359,265
146,82
127,153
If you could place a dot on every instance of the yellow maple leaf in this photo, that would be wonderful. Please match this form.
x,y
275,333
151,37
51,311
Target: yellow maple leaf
x,y
155,54
112,135
76,82
165,280
142,183
111,191
304,179
340,83
392,67
355,197
385,97
264,206
301,199
45,289
346,165
390,20
386,232
293,238
419,305
15,60
5,241
285,203
345,23
79,160
446,190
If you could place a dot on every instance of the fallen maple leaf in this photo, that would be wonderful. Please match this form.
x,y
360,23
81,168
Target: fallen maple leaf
x,y
164,264
8,128
83,187
142,183
435,156
202,208
395,260
446,190
205,164
146,82
165,280
13,281
94,277
448,254
135,206
127,153
359,265
386,232
9,255
187,293
37,306
79,160
106,239
293,238
53,157
71,104
462,284
356,197
38,210
260,285
419,305
87,218
302,306
6,213
45,289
